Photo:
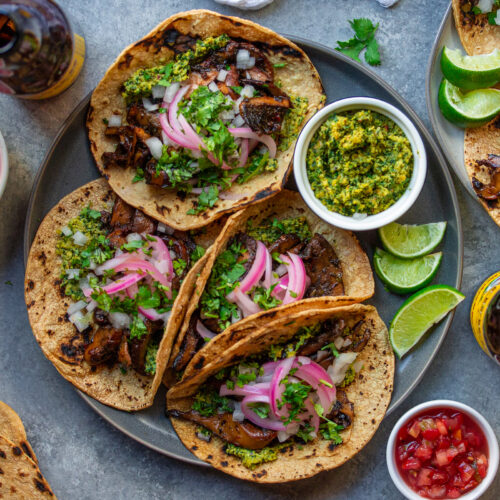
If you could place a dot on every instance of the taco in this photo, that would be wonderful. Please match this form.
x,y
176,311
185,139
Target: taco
x,y
298,396
200,117
477,31
12,428
20,477
482,160
106,289
272,259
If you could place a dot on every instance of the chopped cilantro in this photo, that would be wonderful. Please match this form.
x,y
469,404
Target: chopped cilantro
x,y
150,362
332,347
133,245
208,402
279,65
139,175
294,395
206,200
198,253
237,88
137,328
8,282
179,266
364,38
260,409
330,430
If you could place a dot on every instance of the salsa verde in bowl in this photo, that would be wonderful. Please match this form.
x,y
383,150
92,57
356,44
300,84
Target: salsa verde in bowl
x,y
359,163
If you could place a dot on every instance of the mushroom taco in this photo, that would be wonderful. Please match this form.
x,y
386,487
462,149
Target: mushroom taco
x,y
479,35
477,30
106,289
272,259
200,117
298,396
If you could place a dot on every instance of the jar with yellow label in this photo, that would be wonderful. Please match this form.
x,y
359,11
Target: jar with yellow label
x,y
40,55
485,316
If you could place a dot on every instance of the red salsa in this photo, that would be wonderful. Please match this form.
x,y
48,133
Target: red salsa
x,y
441,453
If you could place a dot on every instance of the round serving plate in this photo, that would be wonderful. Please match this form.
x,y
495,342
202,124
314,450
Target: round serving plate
x,y
69,164
450,137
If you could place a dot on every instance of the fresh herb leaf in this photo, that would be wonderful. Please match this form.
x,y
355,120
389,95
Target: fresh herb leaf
x,y
237,88
279,65
206,200
260,409
330,430
364,30
137,328
139,175
198,253
179,266
332,347
8,282
133,245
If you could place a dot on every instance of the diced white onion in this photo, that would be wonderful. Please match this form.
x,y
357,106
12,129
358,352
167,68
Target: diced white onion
x,y
339,367
76,306
485,5
80,321
119,320
149,105
357,365
238,415
238,121
244,60
203,437
281,270
115,121
91,305
172,254
212,86
247,91
227,115
72,273
338,342
347,342
283,436
165,316
222,75
79,238
155,146
162,228
133,237
236,104
66,231
92,265
236,316
497,18
171,91
158,91
320,355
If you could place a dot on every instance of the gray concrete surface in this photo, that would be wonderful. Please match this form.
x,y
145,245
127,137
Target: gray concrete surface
x,y
84,457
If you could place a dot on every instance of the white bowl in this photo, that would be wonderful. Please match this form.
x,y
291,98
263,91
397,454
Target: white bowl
x,y
475,416
4,165
394,211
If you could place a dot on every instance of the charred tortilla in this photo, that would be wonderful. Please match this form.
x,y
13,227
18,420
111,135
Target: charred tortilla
x,y
479,144
57,336
20,477
370,393
12,428
295,73
357,277
476,34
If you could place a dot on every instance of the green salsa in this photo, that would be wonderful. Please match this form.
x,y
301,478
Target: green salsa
x,y
359,162
292,122
252,458
143,80
270,230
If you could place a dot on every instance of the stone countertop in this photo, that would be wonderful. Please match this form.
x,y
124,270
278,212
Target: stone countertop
x,y
84,457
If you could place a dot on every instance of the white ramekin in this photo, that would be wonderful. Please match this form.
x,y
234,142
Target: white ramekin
x,y
443,403
4,165
394,211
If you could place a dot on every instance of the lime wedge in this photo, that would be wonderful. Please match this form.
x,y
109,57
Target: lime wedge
x,y
408,242
405,275
473,109
422,310
471,72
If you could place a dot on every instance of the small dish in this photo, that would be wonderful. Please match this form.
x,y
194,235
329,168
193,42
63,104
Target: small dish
x,y
4,165
483,424
370,221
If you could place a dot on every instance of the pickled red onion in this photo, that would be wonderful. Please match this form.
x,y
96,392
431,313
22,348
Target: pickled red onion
x,y
204,331
248,133
118,285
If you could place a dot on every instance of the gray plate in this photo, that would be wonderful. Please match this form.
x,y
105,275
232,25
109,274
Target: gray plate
x,y
450,137
69,164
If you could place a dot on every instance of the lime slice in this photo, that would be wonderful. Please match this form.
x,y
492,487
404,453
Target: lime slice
x,y
473,109
408,242
405,275
471,72
422,310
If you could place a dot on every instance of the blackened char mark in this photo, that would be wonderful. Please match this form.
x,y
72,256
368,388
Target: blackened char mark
x,y
323,268
331,330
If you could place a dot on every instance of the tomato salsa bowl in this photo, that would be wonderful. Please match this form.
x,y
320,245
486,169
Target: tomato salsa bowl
x,y
442,449
344,193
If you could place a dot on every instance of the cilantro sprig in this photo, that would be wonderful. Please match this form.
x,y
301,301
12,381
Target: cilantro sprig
x,y
364,31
